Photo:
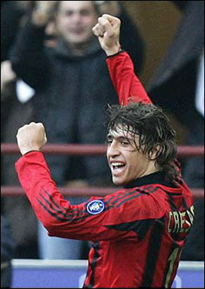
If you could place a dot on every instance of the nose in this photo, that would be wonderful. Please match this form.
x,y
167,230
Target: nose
x,y
113,149
76,17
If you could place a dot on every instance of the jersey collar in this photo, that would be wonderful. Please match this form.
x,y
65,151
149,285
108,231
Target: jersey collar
x,y
155,178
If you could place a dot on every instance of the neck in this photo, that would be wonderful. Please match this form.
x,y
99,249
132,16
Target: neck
x,y
79,49
152,168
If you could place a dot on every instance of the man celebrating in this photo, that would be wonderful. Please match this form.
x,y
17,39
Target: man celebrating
x,y
139,231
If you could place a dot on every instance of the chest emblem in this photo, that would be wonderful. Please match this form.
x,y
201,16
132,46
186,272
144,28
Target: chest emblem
x,y
95,207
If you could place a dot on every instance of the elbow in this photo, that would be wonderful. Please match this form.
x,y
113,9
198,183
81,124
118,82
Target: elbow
x,y
50,224
53,224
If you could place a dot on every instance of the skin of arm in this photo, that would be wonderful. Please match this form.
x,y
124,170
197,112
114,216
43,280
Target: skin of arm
x,y
7,75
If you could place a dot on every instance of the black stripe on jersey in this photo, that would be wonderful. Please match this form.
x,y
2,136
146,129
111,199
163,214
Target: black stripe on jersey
x,y
78,215
114,199
184,203
51,213
51,198
93,264
51,207
126,200
134,197
111,204
140,227
108,205
53,201
171,194
137,191
152,253
171,203
73,213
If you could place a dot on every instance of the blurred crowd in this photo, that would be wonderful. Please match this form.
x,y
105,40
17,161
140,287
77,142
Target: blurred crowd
x,y
54,71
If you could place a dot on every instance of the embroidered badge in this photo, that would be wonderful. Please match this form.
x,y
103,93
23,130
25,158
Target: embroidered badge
x,y
95,207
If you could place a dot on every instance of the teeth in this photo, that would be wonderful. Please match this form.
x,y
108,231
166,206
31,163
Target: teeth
x,y
117,164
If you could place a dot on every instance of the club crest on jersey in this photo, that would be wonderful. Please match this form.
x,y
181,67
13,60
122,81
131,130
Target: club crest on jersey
x,y
95,207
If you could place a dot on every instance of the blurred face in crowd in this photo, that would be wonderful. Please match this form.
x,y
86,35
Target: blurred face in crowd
x,y
125,161
75,20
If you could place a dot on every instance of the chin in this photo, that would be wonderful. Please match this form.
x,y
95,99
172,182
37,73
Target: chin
x,y
117,182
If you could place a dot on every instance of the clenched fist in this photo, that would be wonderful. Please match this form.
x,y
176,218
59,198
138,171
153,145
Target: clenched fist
x,y
31,137
108,32
43,12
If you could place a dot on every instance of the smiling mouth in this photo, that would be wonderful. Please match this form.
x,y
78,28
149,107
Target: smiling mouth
x,y
117,168
77,30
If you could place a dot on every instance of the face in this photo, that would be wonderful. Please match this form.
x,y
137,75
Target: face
x,y
126,163
75,20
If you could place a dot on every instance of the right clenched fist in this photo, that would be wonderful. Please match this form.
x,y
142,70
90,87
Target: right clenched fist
x,y
43,12
31,137
108,32
46,6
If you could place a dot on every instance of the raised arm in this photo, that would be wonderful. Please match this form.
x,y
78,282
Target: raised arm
x,y
94,220
127,84
28,57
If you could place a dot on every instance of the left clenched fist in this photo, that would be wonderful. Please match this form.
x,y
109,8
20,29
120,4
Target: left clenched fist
x,y
31,137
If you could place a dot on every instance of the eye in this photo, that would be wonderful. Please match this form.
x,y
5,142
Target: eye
x,y
108,141
85,13
68,13
125,142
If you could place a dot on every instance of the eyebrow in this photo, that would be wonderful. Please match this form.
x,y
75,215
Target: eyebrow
x,y
119,138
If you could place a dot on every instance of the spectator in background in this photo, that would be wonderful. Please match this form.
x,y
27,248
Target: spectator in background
x,y
73,87
16,109
181,78
13,114
11,16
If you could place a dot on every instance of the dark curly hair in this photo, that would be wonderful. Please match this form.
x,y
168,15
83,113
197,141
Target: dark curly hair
x,y
153,129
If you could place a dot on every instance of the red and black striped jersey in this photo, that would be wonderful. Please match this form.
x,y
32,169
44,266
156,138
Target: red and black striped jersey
x,y
128,86
138,232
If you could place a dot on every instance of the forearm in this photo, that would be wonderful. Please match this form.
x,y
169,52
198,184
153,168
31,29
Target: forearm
x,y
40,18
28,55
126,83
121,69
49,205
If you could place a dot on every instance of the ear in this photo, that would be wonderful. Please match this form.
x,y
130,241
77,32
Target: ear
x,y
154,153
